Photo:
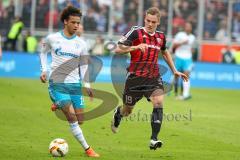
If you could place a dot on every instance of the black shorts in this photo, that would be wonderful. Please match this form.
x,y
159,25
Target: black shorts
x,y
136,87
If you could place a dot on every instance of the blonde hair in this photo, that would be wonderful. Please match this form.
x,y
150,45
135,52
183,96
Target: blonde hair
x,y
154,11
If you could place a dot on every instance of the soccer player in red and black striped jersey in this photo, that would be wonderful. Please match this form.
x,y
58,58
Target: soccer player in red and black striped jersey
x,y
143,78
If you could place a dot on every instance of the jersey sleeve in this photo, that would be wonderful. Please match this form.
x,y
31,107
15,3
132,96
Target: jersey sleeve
x,y
84,61
164,46
128,38
45,48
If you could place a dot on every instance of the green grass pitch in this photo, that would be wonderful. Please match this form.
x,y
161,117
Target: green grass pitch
x,y
206,127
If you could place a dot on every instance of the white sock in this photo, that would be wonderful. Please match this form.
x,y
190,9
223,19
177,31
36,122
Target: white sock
x,y
186,88
78,134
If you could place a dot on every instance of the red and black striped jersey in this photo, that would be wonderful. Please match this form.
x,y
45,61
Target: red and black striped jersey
x,y
144,64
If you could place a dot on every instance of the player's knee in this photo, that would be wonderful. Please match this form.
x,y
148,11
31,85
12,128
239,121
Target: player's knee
x,y
157,101
127,111
158,104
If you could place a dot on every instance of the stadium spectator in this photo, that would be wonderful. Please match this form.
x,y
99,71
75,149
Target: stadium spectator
x,y
164,18
98,47
216,12
6,15
184,10
222,33
95,6
237,56
13,34
236,27
30,43
228,54
178,23
2,11
130,10
89,21
120,26
80,31
43,8
210,26
101,19
54,14
131,22
10,9
26,12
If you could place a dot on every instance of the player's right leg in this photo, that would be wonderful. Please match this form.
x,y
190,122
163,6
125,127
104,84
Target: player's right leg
x,y
78,104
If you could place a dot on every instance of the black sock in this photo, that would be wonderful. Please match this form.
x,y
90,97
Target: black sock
x,y
156,122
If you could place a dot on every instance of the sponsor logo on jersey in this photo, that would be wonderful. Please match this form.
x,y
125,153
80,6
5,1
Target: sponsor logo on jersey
x,y
153,46
59,52
159,40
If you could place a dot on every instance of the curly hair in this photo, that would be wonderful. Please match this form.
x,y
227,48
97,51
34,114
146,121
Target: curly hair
x,y
70,11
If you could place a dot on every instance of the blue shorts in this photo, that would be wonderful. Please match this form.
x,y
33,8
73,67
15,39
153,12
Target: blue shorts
x,y
183,65
63,94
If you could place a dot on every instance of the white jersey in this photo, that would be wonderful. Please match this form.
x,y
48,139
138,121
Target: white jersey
x,y
184,51
64,50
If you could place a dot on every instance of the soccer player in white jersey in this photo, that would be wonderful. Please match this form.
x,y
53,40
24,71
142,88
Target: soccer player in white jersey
x,y
68,53
183,44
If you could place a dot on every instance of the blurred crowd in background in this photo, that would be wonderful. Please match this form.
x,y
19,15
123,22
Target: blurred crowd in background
x,y
124,14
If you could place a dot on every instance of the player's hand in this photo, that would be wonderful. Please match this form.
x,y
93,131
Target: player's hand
x,y
43,77
90,93
142,47
180,74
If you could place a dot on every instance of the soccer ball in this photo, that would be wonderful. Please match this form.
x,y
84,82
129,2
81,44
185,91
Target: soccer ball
x,y
58,147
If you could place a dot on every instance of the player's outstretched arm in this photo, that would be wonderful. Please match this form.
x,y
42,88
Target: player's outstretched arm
x,y
122,49
168,58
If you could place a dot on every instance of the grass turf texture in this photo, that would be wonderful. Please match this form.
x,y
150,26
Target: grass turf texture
x,y
208,128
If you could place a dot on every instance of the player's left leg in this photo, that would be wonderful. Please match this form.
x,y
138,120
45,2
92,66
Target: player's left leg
x,y
157,117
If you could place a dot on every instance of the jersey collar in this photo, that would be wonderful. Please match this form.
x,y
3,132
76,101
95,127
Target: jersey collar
x,y
69,38
151,34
